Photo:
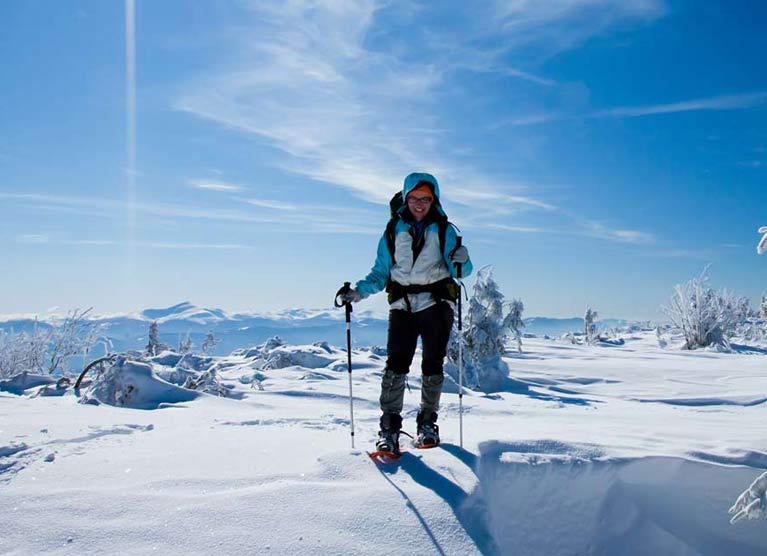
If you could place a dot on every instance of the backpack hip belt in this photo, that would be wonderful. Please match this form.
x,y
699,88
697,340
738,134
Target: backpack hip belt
x,y
442,290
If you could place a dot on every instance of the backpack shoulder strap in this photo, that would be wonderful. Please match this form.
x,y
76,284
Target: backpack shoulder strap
x,y
390,229
443,224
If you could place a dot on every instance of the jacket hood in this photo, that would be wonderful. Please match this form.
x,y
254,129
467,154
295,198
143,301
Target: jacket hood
x,y
412,180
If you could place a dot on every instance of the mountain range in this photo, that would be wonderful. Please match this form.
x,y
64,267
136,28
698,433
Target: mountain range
x,y
238,330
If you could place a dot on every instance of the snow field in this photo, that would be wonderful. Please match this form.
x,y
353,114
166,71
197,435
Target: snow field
x,y
589,450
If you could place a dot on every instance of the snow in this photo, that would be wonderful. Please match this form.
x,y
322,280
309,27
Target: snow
x,y
627,449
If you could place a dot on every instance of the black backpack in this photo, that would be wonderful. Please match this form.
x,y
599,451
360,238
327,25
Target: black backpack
x,y
395,205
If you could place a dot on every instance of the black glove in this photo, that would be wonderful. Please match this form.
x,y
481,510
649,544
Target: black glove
x,y
350,296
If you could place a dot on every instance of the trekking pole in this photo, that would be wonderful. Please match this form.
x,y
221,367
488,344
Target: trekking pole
x,y
348,306
459,273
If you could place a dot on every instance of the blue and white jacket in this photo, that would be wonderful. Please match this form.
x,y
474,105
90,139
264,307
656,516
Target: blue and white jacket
x,y
427,267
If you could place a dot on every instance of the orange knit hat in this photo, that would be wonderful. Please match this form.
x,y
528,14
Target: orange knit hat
x,y
424,189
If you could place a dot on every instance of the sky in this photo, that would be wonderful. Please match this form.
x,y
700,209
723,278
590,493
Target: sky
x,y
241,154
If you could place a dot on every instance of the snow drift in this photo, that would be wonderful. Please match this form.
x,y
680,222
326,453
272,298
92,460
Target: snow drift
x,y
135,385
556,499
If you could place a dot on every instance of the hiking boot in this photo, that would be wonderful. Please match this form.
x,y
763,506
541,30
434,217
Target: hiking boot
x,y
388,441
428,431
388,437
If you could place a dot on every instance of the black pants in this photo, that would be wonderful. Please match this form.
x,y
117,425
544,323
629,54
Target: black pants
x,y
433,325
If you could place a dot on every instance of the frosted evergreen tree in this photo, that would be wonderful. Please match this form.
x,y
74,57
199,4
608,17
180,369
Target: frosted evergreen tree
x,y
514,322
153,345
762,312
589,325
485,332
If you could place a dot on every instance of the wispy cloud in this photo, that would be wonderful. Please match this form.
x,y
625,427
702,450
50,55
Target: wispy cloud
x,y
679,253
294,218
32,238
303,77
715,103
515,229
269,204
752,164
215,185
619,235
45,239
554,26
725,102
195,246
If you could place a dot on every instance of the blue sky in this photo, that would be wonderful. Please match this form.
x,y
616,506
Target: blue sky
x,y
594,152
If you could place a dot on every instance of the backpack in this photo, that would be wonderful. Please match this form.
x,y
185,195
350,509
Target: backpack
x,y
395,205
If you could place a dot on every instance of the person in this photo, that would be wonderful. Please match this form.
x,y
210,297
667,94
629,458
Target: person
x,y
416,263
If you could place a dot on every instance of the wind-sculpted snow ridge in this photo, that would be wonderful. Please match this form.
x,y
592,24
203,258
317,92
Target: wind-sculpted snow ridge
x,y
572,500
17,384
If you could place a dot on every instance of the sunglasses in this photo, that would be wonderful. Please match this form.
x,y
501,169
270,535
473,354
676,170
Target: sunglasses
x,y
419,200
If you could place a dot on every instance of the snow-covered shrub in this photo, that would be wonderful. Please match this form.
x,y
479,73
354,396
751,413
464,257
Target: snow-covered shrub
x,y
762,311
209,342
207,382
590,326
705,316
311,357
271,343
752,503
134,384
484,335
20,352
46,349
662,343
195,362
185,343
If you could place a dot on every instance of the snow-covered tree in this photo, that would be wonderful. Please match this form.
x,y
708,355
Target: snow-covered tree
x,y
704,315
589,325
47,349
513,321
154,346
209,342
762,311
185,343
485,332
73,336
762,246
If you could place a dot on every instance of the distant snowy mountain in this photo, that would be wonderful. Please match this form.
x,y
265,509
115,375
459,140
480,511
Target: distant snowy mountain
x,y
556,327
234,330
238,330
